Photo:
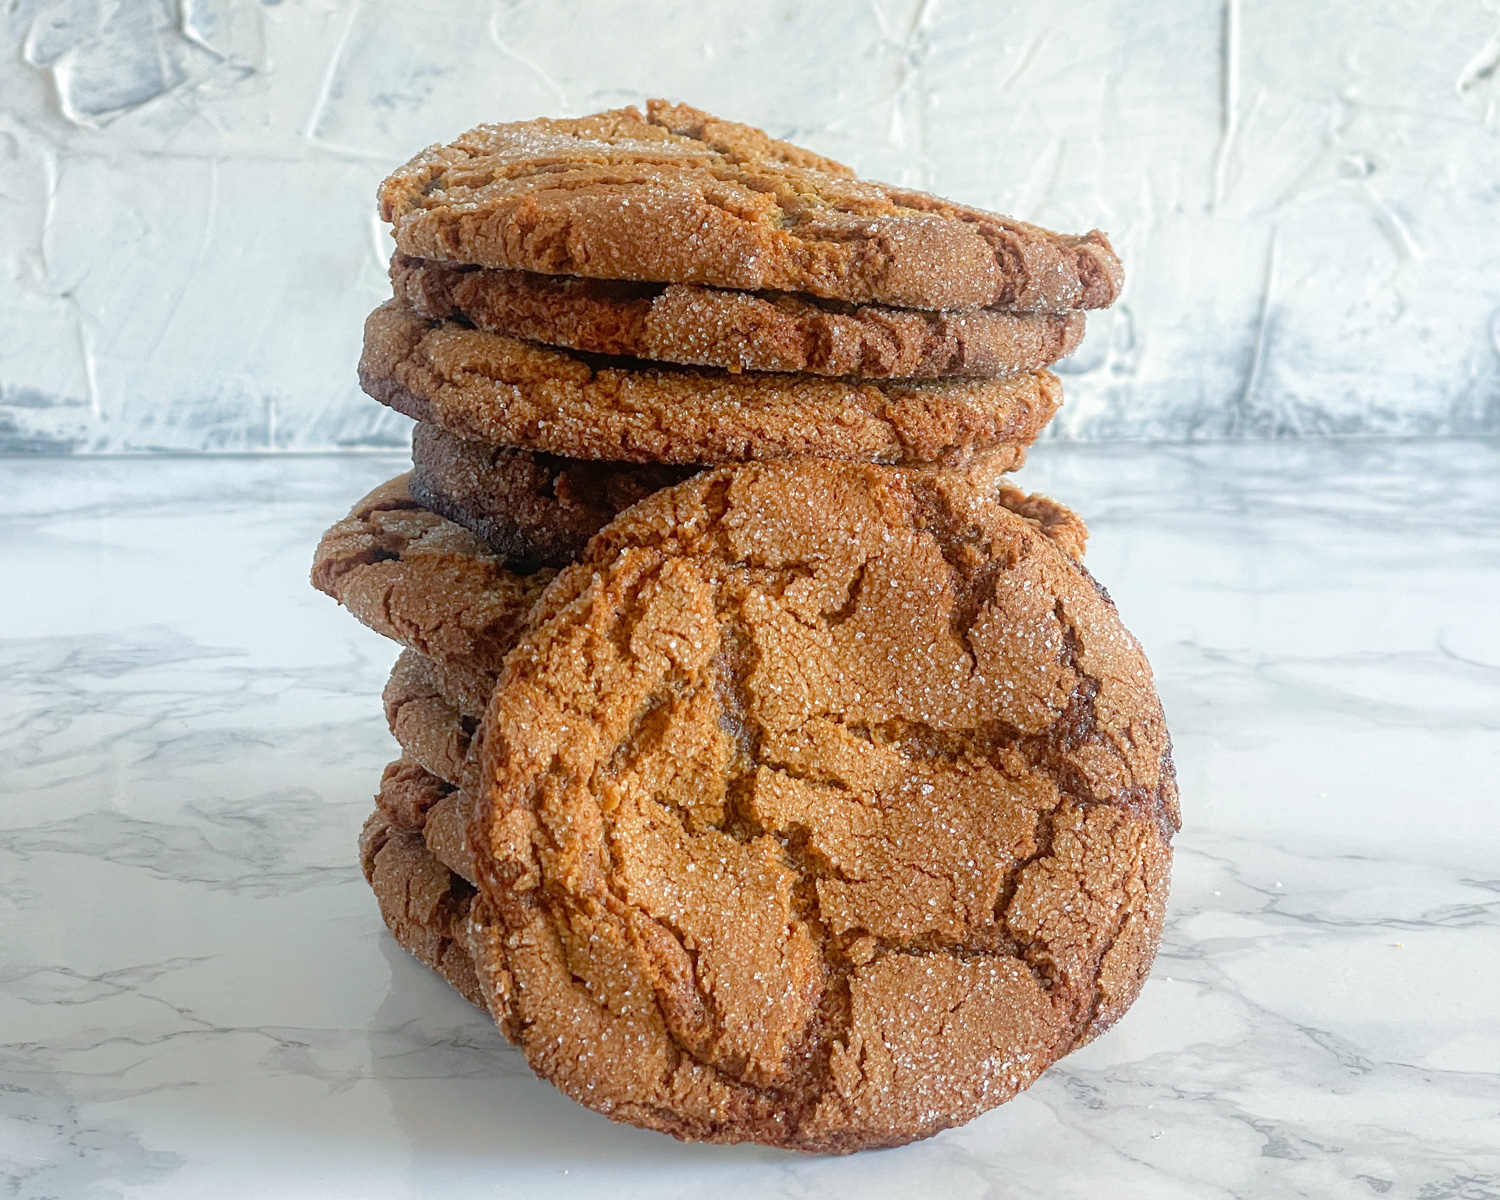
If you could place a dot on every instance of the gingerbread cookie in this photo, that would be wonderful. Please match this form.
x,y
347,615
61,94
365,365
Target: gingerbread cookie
x,y
423,581
502,390
677,196
532,509
822,805
738,331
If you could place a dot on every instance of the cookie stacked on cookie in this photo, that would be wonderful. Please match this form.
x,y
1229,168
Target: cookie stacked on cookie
x,y
772,770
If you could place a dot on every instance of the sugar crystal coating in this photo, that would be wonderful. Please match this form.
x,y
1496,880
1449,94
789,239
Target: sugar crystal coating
x,y
678,196
739,331
502,390
822,805
423,581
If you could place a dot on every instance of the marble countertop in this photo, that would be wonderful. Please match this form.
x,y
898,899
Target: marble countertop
x,y
197,996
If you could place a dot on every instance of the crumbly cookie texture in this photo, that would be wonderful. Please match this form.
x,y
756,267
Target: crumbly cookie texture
x,y
822,805
509,392
423,581
678,196
531,509
738,331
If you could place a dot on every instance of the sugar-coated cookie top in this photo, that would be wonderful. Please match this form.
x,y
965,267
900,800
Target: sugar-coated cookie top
x,y
678,196
822,805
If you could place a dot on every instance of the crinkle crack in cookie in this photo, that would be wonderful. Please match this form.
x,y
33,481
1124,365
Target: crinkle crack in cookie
x,y
822,805
502,390
415,856
423,581
738,331
408,792
534,509
432,708
678,196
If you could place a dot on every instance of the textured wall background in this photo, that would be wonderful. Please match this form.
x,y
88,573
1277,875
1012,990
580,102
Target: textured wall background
x,y
1306,192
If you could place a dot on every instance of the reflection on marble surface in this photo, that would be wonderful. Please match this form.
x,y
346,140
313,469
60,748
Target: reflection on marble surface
x,y
197,996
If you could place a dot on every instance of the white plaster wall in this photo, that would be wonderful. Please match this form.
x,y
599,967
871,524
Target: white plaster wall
x,y
1306,192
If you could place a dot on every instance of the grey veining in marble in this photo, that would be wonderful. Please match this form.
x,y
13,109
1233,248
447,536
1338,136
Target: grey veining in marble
x,y
1303,193
197,996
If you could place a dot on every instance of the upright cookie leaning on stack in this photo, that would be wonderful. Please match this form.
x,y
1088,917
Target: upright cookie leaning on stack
x,y
772,770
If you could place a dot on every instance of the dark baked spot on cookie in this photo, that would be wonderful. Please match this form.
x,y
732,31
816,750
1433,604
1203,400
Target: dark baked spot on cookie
x,y
817,805
534,510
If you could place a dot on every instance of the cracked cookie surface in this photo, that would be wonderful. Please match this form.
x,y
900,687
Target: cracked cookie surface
x,y
414,800
678,196
423,581
508,392
738,331
822,805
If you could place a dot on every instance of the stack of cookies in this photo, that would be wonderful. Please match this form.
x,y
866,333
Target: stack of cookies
x,y
771,768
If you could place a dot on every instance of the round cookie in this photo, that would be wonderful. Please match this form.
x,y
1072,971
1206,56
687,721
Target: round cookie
x,y
502,390
738,331
822,805
678,196
531,509
423,581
